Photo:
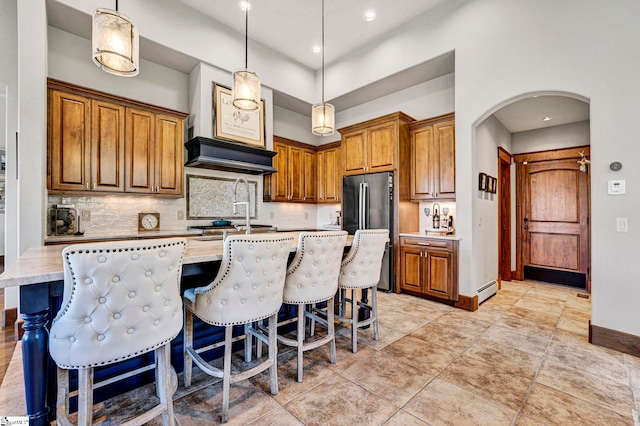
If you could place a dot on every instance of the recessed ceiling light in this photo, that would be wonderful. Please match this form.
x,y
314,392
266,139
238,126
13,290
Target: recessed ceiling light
x,y
547,118
316,48
244,5
369,15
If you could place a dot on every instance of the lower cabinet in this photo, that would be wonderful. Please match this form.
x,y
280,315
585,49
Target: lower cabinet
x,y
429,266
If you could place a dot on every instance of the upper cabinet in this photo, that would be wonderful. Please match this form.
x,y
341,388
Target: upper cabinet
x,y
102,143
373,146
329,173
295,180
433,157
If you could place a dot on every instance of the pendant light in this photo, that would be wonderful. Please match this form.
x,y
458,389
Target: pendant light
x,y
323,114
246,84
114,43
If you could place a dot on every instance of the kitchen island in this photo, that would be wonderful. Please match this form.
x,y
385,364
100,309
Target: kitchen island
x,y
39,274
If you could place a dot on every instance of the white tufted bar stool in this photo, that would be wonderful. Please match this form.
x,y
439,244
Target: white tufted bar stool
x,y
361,270
247,289
312,277
121,299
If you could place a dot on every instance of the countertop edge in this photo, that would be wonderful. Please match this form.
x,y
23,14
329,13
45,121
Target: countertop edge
x,y
423,235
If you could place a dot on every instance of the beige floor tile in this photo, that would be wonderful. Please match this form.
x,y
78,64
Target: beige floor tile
x,y
467,324
403,322
558,408
488,381
545,305
316,371
340,401
632,360
276,417
505,358
523,340
504,299
387,336
579,303
567,336
520,319
402,418
548,291
574,326
422,311
247,403
388,378
634,380
443,403
420,354
528,421
485,313
594,360
576,314
445,336
597,390
514,287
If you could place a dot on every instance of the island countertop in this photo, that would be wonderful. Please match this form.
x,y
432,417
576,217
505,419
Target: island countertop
x,y
44,263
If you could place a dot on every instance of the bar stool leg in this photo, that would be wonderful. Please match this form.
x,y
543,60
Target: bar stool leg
x,y
163,383
188,343
374,306
331,330
273,353
300,337
354,321
226,375
85,396
62,408
248,343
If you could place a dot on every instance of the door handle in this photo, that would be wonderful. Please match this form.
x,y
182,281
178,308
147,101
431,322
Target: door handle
x,y
526,224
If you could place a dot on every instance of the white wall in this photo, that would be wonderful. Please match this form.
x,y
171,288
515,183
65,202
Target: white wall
x,y
155,84
291,125
490,134
556,137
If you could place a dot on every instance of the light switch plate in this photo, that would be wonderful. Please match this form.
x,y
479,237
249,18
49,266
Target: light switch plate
x,y
622,224
616,187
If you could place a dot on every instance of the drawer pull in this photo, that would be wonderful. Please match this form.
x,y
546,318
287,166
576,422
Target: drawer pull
x,y
424,244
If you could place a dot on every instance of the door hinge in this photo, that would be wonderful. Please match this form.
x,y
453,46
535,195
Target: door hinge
x,y
588,270
587,220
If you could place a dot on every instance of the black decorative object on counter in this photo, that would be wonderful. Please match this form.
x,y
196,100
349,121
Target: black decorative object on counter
x,y
62,220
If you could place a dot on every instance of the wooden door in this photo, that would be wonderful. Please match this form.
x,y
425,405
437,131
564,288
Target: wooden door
x,y
411,269
139,151
309,179
354,149
69,142
169,153
444,165
555,209
437,278
279,180
421,160
504,215
296,173
382,142
107,141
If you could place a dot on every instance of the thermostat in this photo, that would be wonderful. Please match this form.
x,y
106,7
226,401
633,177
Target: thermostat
x,y
616,187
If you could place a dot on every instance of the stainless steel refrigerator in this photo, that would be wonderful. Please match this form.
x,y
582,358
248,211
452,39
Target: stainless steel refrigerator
x,y
367,203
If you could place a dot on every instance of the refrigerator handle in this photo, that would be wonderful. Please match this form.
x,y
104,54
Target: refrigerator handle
x,y
365,197
360,208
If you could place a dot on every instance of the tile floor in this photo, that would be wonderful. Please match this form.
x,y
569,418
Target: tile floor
x,y
521,359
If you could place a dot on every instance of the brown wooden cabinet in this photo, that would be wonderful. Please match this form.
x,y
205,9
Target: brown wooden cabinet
x,y
433,173
373,146
295,180
429,266
102,143
329,173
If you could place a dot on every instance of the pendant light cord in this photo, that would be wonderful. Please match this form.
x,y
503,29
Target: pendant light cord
x,y
323,53
246,35
116,5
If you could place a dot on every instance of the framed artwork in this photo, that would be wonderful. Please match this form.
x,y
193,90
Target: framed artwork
x,y
233,124
482,182
494,185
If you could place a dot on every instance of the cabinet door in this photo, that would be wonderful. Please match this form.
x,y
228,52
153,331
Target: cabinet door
x,y
107,141
279,180
296,173
438,267
421,161
309,179
382,141
410,264
354,149
70,142
330,178
445,144
139,151
321,173
169,153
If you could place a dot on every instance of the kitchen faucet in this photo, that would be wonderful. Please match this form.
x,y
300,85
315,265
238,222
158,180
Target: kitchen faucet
x,y
246,203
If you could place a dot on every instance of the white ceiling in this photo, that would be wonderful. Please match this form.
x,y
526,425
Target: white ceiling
x,y
291,27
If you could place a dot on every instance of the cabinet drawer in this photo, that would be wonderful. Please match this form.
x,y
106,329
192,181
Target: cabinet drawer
x,y
427,243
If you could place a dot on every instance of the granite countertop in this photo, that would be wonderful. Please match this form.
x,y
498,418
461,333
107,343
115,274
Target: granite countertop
x,y
72,239
44,263
425,235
